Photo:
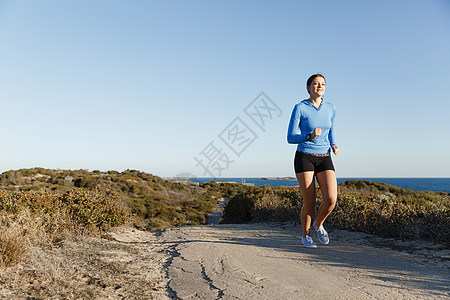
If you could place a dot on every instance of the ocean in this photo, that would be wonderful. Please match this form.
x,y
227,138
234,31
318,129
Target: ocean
x,y
416,184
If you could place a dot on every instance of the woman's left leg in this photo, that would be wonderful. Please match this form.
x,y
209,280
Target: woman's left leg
x,y
328,185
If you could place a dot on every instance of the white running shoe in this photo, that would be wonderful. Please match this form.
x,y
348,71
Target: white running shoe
x,y
322,234
308,242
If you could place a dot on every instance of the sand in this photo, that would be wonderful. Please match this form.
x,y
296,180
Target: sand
x,y
267,261
234,261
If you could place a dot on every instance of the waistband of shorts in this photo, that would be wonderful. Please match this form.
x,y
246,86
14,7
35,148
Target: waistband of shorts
x,y
314,154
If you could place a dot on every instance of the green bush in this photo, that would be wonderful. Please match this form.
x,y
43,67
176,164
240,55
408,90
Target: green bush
x,y
148,197
50,217
84,207
365,206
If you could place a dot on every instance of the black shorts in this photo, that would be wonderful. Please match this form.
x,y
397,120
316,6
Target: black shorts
x,y
304,162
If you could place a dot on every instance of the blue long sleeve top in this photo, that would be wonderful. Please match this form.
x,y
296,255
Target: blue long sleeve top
x,y
304,119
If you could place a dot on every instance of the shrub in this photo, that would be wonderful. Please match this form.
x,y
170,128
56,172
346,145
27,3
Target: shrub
x,y
46,218
239,208
12,241
365,206
147,196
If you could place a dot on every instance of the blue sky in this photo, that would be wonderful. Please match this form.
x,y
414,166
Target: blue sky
x,y
154,85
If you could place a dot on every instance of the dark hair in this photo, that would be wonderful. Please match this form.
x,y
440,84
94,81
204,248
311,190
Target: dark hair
x,y
311,78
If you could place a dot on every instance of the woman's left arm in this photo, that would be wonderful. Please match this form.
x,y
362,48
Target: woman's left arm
x,y
331,134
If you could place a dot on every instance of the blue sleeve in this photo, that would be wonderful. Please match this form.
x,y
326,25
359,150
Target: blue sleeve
x,y
331,134
294,136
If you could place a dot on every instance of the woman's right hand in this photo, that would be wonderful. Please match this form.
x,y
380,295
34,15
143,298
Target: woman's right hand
x,y
316,133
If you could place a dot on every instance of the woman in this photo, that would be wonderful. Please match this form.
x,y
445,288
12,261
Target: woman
x,y
312,127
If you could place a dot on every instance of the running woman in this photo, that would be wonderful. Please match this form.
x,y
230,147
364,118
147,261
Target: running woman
x,y
312,127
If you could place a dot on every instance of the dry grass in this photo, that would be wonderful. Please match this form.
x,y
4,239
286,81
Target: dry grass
x,y
87,268
54,246
12,245
30,219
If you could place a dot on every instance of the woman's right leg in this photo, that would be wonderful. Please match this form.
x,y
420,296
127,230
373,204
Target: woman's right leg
x,y
308,188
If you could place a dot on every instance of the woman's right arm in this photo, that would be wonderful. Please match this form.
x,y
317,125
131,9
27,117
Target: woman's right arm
x,y
294,136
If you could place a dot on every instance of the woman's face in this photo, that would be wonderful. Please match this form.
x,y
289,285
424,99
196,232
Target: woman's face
x,y
317,87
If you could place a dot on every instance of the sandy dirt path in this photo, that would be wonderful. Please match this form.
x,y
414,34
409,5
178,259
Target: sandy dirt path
x,y
267,261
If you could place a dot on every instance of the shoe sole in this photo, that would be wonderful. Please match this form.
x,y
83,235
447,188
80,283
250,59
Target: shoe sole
x,y
310,246
323,242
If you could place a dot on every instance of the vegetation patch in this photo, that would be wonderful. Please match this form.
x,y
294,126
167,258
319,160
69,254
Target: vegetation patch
x,y
41,207
46,219
58,204
365,206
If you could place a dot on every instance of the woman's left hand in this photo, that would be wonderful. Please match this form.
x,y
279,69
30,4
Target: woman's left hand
x,y
335,149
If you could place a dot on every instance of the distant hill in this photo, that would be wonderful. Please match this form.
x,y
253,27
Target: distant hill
x,y
154,202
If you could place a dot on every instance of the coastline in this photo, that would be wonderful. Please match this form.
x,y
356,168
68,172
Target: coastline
x,y
440,184
277,178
